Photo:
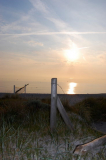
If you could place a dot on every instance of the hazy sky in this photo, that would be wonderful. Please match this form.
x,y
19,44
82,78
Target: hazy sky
x,y
43,39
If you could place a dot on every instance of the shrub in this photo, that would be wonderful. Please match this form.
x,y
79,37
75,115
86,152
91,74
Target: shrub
x,y
66,104
13,110
36,105
91,109
46,100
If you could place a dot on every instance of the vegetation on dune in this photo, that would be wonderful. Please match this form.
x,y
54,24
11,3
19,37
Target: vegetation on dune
x,y
91,109
25,129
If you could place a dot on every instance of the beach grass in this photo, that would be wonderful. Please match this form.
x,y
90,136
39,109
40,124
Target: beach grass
x,y
91,109
25,131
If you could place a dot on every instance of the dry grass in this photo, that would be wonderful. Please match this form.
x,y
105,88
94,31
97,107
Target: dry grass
x,y
25,132
91,109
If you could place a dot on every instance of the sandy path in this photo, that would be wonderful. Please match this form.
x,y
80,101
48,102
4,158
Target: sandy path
x,y
100,126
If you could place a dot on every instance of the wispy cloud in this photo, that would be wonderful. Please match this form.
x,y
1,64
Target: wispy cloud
x,y
83,48
102,58
53,33
34,43
58,23
40,6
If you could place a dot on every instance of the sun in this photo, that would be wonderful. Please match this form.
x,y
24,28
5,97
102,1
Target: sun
x,y
73,53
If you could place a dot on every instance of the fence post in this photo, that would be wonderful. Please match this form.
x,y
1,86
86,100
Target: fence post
x,y
14,89
53,103
25,88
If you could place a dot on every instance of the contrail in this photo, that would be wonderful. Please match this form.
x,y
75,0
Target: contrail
x,y
52,33
83,47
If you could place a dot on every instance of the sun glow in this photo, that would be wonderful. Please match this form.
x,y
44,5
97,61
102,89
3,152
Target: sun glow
x,y
72,86
73,53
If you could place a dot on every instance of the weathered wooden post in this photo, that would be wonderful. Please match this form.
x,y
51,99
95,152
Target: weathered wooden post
x,y
64,114
25,88
14,89
53,104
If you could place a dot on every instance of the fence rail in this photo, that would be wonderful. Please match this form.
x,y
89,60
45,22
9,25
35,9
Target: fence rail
x,y
20,89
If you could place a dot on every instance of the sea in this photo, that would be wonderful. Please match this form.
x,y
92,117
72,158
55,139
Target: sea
x,y
45,87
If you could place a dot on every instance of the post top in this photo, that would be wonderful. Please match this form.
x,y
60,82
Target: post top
x,y
54,80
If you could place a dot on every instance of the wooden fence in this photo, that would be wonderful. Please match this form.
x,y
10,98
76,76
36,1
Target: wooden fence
x,y
19,89
56,103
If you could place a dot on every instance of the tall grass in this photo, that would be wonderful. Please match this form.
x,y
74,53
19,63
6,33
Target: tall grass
x,y
25,132
91,109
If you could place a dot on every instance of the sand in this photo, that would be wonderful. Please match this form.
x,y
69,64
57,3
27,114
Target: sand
x,y
100,126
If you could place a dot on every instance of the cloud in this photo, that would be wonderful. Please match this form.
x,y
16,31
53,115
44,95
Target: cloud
x,y
58,23
83,47
34,43
102,58
22,23
40,6
20,26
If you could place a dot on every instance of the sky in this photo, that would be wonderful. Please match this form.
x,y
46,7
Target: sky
x,y
44,39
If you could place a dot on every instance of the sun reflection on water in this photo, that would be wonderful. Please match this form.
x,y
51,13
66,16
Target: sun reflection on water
x,y
72,86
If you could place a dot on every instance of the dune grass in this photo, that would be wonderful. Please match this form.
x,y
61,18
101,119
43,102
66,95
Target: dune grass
x,y
25,131
91,109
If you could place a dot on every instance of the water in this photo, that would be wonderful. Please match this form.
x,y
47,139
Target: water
x,y
45,87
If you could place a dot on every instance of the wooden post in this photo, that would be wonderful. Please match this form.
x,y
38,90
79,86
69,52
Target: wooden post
x,y
14,89
25,88
64,114
53,104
